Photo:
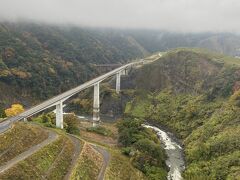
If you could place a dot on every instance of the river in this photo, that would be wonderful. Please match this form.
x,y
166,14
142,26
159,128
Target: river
x,y
174,151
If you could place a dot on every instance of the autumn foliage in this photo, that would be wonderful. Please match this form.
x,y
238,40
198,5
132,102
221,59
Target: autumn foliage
x,y
14,110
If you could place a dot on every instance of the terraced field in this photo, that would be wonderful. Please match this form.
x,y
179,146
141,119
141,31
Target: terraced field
x,y
51,162
31,152
89,164
18,139
120,168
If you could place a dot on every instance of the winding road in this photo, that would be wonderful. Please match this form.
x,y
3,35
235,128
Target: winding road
x,y
75,156
106,159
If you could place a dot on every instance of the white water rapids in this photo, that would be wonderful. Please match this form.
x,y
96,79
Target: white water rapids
x,y
175,160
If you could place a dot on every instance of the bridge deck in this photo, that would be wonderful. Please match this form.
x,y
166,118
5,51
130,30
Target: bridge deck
x,y
62,97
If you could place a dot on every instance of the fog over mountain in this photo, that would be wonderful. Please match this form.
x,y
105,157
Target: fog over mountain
x,y
171,15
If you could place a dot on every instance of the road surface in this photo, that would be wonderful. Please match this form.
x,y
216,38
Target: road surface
x,y
106,159
75,156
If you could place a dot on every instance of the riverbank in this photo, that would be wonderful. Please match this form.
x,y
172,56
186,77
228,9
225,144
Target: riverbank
x,y
174,151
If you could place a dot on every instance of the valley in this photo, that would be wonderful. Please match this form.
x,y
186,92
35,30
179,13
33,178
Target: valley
x,y
176,115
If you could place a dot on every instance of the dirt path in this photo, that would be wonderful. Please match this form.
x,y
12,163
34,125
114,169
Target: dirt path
x,y
106,159
52,136
75,156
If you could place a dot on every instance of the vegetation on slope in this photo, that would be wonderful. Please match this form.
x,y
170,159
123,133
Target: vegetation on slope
x,y
100,130
143,146
199,100
71,122
18,139
52,59
227,43
2,113
89,164
51,162
189,71
120,168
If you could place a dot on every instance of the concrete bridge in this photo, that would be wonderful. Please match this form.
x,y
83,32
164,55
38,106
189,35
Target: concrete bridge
x,y
59,99
108,65
103,68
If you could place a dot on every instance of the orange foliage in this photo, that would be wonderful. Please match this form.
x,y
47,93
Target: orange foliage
x,y
14,110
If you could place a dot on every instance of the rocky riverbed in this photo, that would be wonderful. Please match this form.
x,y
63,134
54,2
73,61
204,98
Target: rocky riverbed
x,y
174,151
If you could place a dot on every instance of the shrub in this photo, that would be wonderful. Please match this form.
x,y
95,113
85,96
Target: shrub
x,y
100,130
14,110
144,148
127,151
2,113
153,150
72,123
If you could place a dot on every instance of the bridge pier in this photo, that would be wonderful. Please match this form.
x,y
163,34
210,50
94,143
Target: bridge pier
x,y
96,105
118,79
59,115
126,72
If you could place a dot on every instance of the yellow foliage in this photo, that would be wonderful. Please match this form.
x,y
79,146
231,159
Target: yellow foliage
x,y
14,110
5,73
20,74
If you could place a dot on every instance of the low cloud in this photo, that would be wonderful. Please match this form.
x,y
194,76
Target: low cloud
x,y
171,15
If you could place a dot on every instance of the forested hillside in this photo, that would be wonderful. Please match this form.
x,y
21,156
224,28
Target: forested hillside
x,y
226,43
196,95
51,59
38,60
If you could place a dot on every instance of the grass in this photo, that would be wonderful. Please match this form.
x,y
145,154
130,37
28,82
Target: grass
x,y
18,139
120,167
97,138
100,130
89,164
138,110
51,162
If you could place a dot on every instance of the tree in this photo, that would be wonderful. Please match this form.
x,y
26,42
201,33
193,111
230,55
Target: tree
x,y
2,113
72,124
14,110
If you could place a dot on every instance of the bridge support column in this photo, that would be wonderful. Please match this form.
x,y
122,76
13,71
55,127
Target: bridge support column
x,y
118,79
59,115
126,72
96,105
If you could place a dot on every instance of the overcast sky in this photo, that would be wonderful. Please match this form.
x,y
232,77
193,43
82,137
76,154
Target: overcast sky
x,y
173,15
